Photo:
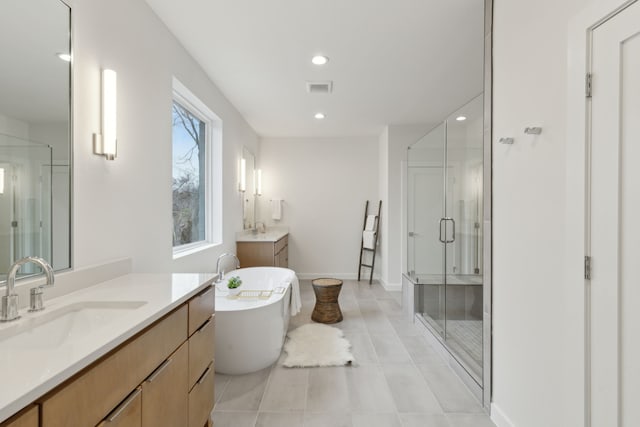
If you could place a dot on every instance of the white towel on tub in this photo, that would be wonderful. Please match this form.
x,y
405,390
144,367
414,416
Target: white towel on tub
x,y
296,301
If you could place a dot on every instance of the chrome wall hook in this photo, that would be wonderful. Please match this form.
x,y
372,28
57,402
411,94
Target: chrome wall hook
x,y
506,140
533,130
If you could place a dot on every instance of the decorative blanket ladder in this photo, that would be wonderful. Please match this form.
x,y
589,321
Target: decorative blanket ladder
x,y
369,243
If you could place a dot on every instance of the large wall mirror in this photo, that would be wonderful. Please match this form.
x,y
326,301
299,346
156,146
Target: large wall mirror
x,y
35,133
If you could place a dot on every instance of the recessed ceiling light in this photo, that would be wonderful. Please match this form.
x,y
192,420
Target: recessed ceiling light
x,y
461,118
319,116
319,60
64,56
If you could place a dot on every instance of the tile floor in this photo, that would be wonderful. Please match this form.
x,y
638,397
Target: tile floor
x,y
398,380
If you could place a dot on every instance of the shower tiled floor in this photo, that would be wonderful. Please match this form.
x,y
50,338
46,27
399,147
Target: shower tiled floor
x,y
398,380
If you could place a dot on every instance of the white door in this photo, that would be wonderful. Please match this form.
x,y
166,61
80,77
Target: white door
x,y
426,200
614,228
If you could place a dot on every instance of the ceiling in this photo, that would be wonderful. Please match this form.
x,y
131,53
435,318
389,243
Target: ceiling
x,y
391,61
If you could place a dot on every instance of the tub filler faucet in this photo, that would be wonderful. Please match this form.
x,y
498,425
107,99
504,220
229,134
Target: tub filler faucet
x,y
219,272
10,300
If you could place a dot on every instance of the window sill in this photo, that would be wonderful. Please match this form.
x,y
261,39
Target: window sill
x,y
184,251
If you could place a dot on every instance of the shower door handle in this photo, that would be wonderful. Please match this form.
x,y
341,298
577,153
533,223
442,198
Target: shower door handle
x,y
453,237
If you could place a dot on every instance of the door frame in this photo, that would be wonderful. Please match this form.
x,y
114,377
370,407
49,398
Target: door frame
x,y
577,189
588,205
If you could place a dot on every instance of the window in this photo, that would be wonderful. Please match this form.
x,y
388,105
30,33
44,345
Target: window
x,y
196,183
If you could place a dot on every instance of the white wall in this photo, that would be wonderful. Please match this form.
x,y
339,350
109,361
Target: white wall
x,y
123,208
14,127
56,135
324,183
538,210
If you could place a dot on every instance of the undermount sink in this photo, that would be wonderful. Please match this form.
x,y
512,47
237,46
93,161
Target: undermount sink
x,y
64,324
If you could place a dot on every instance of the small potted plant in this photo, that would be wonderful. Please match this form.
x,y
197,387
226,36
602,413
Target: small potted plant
x,y
234,285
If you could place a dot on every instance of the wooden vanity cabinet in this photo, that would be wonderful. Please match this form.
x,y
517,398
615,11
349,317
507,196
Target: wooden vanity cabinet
x,y
147,381
165,392
28,417
201,359
257,253
128,413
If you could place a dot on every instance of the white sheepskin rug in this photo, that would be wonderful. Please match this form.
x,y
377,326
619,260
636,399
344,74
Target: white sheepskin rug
x,y
316,344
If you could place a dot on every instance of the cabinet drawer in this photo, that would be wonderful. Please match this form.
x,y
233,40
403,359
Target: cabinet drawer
x,y
27,418
127,414
201,348
280,244
201,399
165,392
98,390
201,308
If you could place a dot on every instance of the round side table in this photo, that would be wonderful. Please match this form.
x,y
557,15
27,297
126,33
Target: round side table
x,y
327,309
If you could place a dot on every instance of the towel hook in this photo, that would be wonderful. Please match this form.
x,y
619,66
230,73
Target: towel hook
x,y
533,130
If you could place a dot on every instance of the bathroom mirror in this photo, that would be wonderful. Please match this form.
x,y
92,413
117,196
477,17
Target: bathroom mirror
x,y
35,137
249,195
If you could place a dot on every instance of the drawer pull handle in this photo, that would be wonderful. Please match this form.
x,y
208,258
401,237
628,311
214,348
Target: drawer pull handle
x,y
158,371
204,325
202,378
120,409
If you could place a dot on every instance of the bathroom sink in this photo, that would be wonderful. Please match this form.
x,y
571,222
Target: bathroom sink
x,y
64,324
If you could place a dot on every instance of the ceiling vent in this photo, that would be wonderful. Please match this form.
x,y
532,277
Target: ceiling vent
x,y
320,87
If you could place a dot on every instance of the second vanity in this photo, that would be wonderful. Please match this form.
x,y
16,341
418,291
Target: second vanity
x,y
269,249
133,351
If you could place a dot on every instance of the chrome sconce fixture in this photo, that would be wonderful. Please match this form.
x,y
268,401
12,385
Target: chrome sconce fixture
x,y
105,144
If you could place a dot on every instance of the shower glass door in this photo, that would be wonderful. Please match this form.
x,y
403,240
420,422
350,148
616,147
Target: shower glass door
x,y
445,234
463,277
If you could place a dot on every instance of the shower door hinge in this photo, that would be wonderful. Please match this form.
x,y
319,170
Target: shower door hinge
x,y
588,85
587,267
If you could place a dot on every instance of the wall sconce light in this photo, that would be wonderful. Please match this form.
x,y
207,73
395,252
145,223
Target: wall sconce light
x,y
105,144
243,172
1,180
258,186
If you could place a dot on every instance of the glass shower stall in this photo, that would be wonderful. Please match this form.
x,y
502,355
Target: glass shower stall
x,y
445,234
25,202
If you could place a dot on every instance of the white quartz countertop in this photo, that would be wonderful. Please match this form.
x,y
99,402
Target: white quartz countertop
x,y
271,235
81,327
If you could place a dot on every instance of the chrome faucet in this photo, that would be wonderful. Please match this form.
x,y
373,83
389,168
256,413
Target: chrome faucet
x,y
220,258
9,309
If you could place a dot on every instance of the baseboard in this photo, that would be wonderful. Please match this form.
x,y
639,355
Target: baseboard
x,y
499,418
390,287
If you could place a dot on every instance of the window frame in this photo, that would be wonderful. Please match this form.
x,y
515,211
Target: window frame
x,y
212,173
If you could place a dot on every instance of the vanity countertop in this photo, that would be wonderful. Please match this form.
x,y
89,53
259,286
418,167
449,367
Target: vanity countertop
x,y
270,235
30,368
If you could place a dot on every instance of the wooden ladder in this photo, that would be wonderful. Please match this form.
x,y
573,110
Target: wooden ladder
x,y
375,244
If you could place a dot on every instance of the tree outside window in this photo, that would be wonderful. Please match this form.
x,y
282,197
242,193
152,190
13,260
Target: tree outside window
x,y
189,172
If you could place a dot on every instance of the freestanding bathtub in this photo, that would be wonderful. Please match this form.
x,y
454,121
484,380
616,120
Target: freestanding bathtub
x,y
250,332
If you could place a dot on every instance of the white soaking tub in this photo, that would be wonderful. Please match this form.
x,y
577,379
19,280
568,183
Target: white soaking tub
x,y
250,332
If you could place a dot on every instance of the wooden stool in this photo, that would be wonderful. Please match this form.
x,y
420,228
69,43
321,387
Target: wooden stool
x,y
327,309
